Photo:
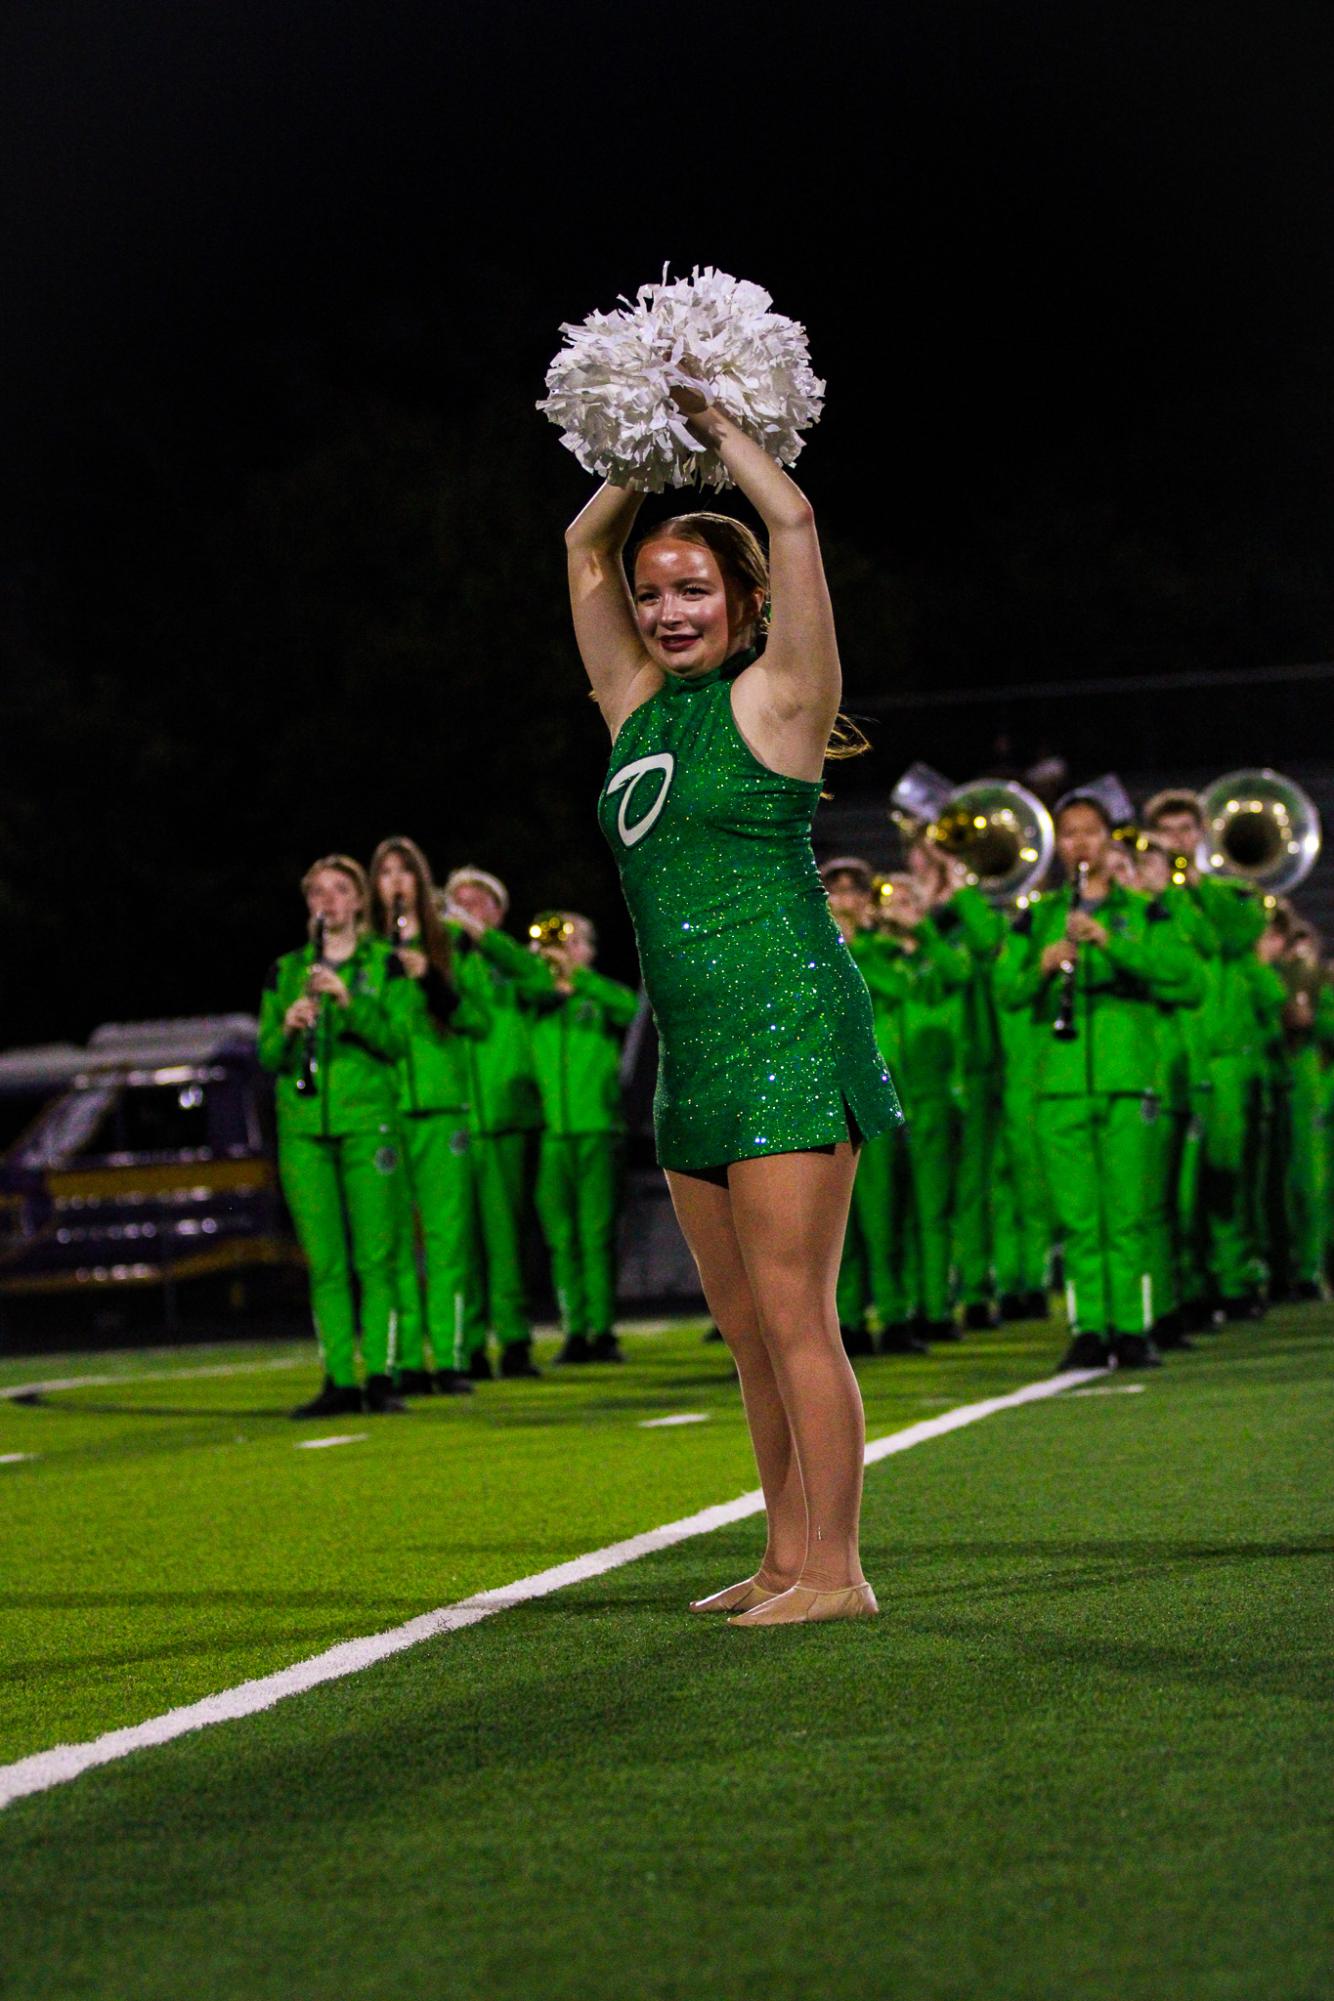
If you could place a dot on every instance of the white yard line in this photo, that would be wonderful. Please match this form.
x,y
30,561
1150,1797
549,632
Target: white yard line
x,y
681,1417
45,1769
157,1376
14,1458
344,1438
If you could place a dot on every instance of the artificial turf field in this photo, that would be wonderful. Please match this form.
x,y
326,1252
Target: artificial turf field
x,y
1084,1752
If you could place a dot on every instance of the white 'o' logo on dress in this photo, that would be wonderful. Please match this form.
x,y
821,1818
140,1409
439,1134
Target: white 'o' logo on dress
x,y
626,780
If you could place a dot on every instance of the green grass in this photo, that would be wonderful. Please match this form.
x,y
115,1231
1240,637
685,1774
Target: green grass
x,y
1084,1753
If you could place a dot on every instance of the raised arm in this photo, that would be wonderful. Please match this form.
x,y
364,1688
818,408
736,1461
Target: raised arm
x,y
786,702
604,620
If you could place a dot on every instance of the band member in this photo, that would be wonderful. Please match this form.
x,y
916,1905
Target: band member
x,y
1308,1019
1091,963
577,1032
434,1019
875,1269
936,970
330,1039
504,1113
769,1071
1234,1130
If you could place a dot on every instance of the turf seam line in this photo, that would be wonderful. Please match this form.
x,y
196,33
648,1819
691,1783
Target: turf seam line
x,y
44,1769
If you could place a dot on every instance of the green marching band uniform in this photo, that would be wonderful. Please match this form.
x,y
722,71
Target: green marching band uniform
x,y
339,1157
576,1040
766,1036
436,1025
501,978
1098,1100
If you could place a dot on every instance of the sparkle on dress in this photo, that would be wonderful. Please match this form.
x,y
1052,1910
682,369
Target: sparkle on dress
x,y
767,1040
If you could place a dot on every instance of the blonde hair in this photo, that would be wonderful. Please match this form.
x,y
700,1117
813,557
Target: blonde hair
x,y
356,875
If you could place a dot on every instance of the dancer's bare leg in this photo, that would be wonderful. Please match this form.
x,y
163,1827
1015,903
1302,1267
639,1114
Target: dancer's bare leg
x,y
789,1212
704,1212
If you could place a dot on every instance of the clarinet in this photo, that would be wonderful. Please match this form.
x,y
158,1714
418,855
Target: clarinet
x,y
1065,1028
306,1076
398,922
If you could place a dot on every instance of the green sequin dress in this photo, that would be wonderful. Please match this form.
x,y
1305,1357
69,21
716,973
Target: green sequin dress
x,y
767,1041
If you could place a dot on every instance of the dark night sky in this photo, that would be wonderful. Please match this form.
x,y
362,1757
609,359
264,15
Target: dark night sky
x,y
282,565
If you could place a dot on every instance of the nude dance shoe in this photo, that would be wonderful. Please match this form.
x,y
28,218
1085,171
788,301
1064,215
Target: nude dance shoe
x,y
801,1605
736,1598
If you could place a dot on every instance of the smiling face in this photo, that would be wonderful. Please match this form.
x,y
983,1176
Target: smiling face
x,y
690,618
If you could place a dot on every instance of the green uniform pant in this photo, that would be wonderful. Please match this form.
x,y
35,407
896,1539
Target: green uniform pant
x,y
496,1298
874,1268
1098,1153
346,1200
932,1145
1173,1152
1306,1172
578,1177
1231,1174
974,1174
433,1293
1021,1207
1192,1245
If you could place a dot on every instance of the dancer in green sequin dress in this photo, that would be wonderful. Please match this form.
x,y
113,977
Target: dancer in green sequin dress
x,y
764,1022
770,1075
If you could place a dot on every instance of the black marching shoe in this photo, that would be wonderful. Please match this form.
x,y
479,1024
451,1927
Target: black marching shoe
x,y
1135,1351
1037,1305
1086,1351
980,1316
1308,1289
1169,1331
899,1338
1197,1317
516,1359
452,1383
939,1330
606,1348
479,1368
856,1341
577,1348
1250,1306
1013,1305
333,1401
380,1398
415,1383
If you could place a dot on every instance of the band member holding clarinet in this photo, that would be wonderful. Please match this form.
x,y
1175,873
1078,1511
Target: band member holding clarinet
x,y
577,1031
1091,964
436,1022
329,1037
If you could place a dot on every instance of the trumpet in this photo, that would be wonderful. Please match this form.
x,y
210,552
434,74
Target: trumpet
x,y
999,830
1261,828
307,1076
550,930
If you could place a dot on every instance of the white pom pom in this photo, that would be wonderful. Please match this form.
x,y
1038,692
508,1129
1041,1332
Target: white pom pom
x,y
609,387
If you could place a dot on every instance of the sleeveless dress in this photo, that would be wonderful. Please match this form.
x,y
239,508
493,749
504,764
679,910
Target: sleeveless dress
x,y
767,1040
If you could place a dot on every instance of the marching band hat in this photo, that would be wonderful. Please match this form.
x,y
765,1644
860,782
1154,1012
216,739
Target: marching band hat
x,y
1106,795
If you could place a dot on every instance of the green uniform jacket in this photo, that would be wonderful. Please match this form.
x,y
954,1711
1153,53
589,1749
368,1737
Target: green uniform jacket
x,y
968,919
1232,1027
1119,988
502,976
577,1051
881,964
435,1021
357,1046
929,984
1191,1028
